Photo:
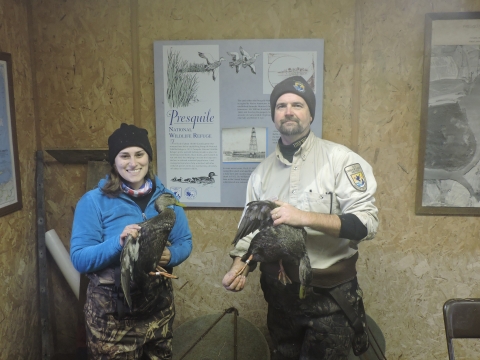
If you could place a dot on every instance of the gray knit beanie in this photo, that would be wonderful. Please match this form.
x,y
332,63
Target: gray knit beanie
x,y
296,85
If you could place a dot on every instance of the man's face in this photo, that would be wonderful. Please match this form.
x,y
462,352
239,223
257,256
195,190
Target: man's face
x,y
292,117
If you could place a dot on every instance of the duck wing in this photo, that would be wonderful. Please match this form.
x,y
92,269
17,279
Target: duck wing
x,y
128,260
279,242
245,55
142,255
234,55
257,217
203,56
283,244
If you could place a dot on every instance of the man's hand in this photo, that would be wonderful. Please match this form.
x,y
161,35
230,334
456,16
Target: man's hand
x,y
231,281
287,214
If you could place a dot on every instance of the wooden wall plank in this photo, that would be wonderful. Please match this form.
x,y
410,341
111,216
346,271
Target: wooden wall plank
x,y
19,301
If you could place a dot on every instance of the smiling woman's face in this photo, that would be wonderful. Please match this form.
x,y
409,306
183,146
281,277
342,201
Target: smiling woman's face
x,y
132,166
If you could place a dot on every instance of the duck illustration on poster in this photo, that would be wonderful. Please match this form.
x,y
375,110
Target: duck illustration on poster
x,y
211,65
242,59
201,180
194,182
183,75
247,60
236,61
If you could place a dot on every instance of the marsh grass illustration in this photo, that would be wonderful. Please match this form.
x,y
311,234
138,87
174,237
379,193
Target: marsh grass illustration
x,y
182,86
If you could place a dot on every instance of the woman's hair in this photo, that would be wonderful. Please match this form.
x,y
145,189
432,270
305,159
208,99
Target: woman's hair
x,y
113,186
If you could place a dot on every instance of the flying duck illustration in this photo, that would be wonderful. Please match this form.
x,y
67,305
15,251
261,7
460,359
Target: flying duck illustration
x,y
211,63
248,60
236,60
141,255
281,243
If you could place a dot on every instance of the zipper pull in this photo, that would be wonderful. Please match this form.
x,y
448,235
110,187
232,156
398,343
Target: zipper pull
x,y
144,217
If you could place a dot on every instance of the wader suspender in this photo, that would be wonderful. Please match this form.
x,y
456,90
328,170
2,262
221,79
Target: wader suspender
x,y
348,309
356,323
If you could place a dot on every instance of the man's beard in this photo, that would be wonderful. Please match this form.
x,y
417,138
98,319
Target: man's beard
x,y
291,130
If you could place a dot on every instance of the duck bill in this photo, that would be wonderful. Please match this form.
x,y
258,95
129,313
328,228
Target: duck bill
x,y
178,203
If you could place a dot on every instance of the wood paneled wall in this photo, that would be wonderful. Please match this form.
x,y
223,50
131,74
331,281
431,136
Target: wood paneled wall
x,y
87,67
19,323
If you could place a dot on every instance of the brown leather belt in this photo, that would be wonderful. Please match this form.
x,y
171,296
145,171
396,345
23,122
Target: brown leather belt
x,y
337,274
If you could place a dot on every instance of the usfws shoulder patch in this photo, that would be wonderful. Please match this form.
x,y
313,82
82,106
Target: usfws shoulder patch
x,y
356,176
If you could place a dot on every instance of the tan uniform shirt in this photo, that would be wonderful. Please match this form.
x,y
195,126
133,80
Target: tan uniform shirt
x,y
324,177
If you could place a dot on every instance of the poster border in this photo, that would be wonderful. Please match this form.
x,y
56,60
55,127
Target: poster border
x,y
7,209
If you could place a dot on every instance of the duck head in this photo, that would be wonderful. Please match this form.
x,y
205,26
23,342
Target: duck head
x,y
166,199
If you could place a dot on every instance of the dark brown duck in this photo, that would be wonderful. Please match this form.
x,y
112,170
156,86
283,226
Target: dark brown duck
x,y
282,243
141,255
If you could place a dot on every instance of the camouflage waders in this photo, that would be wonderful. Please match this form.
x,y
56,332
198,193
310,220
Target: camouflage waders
x,y
314,328
144,331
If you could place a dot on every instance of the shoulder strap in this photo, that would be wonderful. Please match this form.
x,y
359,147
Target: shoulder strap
x,y
348,309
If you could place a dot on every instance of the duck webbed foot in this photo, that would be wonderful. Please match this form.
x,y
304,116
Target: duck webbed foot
x,y
162,272
282,275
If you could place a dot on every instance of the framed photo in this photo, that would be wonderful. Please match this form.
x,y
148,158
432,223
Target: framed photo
x,y
10,191
448,180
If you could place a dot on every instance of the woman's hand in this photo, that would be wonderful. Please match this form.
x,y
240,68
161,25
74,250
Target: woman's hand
x,y
166,256
132,229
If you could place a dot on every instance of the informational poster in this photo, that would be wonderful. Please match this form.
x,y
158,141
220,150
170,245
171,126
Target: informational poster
x,y
213,117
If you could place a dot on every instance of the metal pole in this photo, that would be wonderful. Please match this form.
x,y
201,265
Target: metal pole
x,y
42,260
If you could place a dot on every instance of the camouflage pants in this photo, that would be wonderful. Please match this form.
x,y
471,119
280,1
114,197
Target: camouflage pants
x,y
310,329
137,335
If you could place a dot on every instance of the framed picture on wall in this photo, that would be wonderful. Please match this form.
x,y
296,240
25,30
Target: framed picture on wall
x,y
448,181
10,191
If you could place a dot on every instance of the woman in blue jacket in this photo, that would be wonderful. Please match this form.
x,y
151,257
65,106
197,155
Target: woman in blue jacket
x,y
103,219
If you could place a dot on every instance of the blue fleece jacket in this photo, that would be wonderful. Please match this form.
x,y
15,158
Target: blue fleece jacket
x,y
99,221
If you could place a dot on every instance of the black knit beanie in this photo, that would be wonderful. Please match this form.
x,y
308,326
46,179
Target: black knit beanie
x,y
127,136
296,85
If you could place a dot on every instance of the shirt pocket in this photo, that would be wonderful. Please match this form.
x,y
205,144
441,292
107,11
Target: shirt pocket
x,y
320,203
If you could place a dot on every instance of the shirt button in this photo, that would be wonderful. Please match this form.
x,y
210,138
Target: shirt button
x,y
294,191
294,168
